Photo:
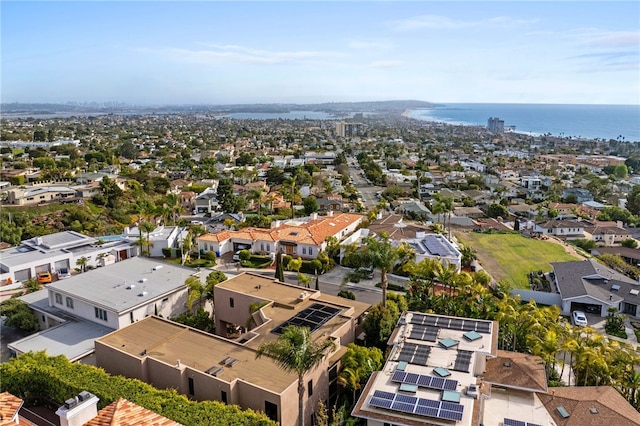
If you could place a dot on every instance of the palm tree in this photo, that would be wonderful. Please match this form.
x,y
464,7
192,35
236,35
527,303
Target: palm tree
x,y
383,256
148,227
257,196
82,263
197,291
296,352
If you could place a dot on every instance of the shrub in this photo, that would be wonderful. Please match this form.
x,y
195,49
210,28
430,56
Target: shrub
x,y
166,251
58,379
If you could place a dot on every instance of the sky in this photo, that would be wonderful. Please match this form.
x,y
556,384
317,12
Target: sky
x,y
216,52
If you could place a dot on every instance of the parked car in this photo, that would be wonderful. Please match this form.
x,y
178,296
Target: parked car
x,y
44,277
365,272
579,318
236,256
63,273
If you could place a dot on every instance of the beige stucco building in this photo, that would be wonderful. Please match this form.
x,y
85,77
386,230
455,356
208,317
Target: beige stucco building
x,y
224,367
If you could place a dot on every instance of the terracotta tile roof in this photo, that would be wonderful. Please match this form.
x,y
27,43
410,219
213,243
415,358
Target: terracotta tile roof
x,y
609,407
9,406
311,232
125,413
513,369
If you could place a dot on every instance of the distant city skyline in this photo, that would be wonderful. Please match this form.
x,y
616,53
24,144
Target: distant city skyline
x,y
215,52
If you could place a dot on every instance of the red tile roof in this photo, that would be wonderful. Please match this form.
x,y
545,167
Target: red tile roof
x,y
125,413
311,232
9,406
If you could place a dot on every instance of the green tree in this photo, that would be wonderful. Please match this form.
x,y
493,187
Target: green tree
x,y
279,267
629,242
380,323
310,205
296,352
621,171
383,255
19,315
497,210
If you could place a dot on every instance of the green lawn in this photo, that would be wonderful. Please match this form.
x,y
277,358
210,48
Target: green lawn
x,y
510,257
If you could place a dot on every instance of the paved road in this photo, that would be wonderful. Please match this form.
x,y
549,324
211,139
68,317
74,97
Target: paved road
x,y
367,191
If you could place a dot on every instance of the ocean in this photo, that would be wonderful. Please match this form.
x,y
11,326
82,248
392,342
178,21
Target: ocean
x,y
577,121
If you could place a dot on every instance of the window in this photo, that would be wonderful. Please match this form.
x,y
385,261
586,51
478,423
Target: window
x,y
223,396
310,251
271,410
192,390
310,387
231,304
69,302
58,298
304,250
102,314
261,246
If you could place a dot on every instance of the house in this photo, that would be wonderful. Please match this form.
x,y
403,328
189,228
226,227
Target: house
x,y
162,237
304,237
206,201
447,371
629,255
187,201
223,367
607,233
436,247
593,287
74,312
565,229
58,252
413,209
431,375
34,195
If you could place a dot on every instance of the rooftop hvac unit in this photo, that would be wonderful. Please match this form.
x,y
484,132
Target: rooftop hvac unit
x,y
70,403
155,268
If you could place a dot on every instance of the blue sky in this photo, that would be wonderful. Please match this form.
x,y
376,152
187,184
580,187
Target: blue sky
x,y
210,52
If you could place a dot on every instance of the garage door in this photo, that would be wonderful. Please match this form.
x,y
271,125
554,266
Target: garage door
x,y
62,264
23,275
42,268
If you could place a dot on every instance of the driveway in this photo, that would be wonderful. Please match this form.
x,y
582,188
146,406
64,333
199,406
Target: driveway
x,y
597,323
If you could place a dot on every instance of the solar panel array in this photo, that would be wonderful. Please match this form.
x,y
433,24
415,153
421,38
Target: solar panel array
x,y
437,246
511,422
313,317
414,354
462,324
420,406
463,360
424,332
424,381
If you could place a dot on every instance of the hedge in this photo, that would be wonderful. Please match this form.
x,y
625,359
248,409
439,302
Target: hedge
x,y
36,375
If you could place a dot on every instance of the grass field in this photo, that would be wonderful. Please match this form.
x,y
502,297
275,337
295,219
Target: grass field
x,y
510,257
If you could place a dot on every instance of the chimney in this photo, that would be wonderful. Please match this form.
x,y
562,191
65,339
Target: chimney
x,y
313,216
78,410
330,213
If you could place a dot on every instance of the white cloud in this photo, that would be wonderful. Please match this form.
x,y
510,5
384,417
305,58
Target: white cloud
x,y
444,22
240,54
372,44
617,39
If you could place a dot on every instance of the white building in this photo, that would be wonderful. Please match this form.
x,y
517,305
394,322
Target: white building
x,y
76,311
58,252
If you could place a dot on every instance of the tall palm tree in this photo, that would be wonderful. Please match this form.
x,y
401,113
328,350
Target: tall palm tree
x,y
147,228
296,352
383,255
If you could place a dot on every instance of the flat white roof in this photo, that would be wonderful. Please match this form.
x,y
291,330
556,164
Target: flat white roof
x,y
111,286
73,339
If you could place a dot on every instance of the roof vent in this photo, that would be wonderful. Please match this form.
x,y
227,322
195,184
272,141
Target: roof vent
x,y
131,286
593,410
506,364
71,402
143,293
84,395
141,280
155,268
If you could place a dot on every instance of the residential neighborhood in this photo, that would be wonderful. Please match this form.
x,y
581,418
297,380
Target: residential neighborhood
x,y
434,269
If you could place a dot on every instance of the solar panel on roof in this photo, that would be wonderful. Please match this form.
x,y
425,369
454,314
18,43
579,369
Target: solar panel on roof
x,y
380,402
406,399
463,360
425,381
512,422
313,317
449,415
384,395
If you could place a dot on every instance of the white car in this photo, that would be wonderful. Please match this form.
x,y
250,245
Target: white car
x,y
579,318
